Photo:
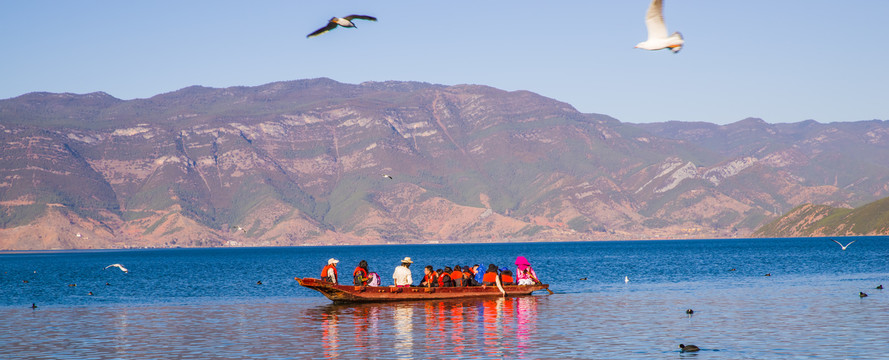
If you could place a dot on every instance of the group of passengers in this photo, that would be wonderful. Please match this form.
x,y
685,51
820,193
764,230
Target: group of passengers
x,y
446,277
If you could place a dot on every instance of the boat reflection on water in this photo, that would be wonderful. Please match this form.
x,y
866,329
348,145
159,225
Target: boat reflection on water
x,y
404,330
494,327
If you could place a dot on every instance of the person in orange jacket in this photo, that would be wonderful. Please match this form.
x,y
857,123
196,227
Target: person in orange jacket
x,y
328,273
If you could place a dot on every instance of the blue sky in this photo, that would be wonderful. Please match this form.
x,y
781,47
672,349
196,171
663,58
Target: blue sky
x,y
783,61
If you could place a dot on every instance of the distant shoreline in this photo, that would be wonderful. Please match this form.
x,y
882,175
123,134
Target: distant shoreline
x,y
61,251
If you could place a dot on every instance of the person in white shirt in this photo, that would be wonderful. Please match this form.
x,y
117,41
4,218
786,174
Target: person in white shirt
x,y
402,275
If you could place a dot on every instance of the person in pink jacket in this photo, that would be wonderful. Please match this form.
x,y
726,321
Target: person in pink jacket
x,y
526,274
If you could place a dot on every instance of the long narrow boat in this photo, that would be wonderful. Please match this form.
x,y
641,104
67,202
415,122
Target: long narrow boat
x,y
349,293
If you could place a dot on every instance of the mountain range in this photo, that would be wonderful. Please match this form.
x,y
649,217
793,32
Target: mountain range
x,y
303,163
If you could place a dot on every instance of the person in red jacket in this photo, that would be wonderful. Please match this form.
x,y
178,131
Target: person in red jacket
x,y
457,276
506,276
328,273
360,275
444,277
491,275
430,279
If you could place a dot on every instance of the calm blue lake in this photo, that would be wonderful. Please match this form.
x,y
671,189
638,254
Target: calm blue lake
x,y
206,303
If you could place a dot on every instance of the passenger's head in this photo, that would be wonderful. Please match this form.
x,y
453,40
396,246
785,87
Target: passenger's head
x,y
363,264
428,269
457,268
447,269
492,268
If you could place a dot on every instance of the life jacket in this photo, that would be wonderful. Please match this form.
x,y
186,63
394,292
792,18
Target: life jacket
x,y
445,280
430,280
490,277
506,279
359,276
467,278
324,273
457,276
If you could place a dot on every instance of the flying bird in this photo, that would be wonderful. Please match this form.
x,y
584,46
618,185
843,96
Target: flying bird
x,y
626,279
843,246
657,30
388,176
344,22
240,229
119,266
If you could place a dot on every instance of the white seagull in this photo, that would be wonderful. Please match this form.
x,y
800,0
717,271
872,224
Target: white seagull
x,y
343,21
626,279
119,266
388,176
657,30
843,246
240,229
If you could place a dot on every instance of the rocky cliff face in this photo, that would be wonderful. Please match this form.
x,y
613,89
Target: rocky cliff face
x,y
302,163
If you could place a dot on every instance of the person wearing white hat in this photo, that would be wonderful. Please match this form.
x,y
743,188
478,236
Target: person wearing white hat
x,y
329,272
402,275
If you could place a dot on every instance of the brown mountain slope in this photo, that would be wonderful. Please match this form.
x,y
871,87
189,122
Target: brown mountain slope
x,y
822,220
301,163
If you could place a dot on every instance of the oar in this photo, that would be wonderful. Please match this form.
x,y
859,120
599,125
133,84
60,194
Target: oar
x,y
536,280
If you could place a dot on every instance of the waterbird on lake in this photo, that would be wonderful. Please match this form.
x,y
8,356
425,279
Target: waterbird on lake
x,y
25,281
259,282
861,294
119,266
72,285
732,269
582,279
657,31
388,176
343,21
688,348
843,246
626,279
769,274
689,311
33,305
90,293
879,287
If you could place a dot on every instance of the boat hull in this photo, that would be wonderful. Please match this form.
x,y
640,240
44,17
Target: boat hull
x,y
348,293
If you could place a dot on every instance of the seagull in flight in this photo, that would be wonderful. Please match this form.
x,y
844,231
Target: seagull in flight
x,y
240,229
388,176
343,21
843,246
119,266
657,30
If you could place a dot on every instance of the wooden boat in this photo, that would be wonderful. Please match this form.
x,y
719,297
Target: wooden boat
x,y
349,293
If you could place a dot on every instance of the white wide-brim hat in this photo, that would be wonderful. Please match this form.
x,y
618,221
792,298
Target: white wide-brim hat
x,y
407,259
332,261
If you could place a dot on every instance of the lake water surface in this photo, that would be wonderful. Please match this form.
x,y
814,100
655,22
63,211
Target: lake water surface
x,y
206,303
